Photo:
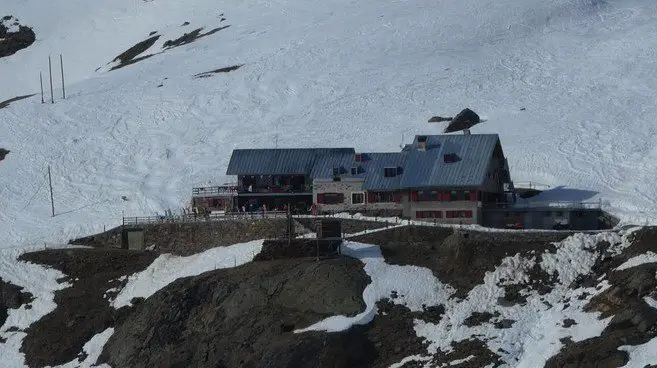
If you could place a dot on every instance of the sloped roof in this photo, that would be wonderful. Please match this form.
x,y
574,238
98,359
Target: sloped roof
x,y
287,161
419,168
374,165
426,168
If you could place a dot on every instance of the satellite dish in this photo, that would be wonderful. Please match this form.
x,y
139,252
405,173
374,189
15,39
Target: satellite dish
x,y
465,120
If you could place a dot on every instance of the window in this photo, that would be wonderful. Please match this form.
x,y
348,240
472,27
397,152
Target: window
x,y
390,172
458,214
330,198
336,171
382,197
429,214
357,198
547,214
359,157
354,171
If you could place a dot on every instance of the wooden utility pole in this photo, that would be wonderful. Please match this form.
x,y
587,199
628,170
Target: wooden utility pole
x,y
61,63
41,83
52,97
52,202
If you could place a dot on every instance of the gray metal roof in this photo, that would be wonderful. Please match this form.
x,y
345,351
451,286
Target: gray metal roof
x,y
374,165
419,168
427,168
287,161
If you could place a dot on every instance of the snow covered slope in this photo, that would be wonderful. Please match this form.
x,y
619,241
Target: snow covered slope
x,y
335,73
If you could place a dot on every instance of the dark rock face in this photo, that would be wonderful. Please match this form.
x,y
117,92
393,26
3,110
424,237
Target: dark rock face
x,y
244,317
82,311
3,153
11,297
12,42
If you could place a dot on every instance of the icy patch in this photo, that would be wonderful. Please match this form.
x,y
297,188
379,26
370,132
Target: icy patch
x,y
648,257
167,268
38,280
415,286
641,355
93,348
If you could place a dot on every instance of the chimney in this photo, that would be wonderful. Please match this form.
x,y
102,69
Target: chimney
x,y
422,142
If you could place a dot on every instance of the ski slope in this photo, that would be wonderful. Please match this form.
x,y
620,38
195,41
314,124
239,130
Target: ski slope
x,y
337,73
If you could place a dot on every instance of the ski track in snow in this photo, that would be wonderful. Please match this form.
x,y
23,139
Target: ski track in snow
x,y
334,74
535,334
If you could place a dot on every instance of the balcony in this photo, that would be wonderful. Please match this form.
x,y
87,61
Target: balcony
x,y
215,191
275,190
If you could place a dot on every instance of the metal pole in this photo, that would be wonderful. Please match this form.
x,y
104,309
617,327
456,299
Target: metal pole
x,y
52,97
52,202
41,83
61,63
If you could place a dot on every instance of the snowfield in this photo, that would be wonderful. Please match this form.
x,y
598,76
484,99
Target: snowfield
x,y
568,85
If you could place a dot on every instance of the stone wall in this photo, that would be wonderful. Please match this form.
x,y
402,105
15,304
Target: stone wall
x,y
347,188
190,238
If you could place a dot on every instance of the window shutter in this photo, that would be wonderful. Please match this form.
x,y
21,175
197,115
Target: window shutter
x,y
340,197
320,198
371,197
396,197
473,196
414,196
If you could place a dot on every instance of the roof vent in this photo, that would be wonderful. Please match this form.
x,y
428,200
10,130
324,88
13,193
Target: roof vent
x,y
451,158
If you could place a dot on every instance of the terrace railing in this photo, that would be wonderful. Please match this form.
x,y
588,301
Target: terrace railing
x,y
188,218
214,191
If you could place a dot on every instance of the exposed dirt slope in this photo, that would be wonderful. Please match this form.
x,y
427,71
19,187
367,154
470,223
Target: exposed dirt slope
x,y
82,311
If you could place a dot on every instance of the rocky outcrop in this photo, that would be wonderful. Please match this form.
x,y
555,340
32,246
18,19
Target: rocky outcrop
x,y
82,309
11,297
14,36
245,317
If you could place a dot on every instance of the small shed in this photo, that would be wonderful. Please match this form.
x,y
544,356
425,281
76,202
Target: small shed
x,y
329,229
132,239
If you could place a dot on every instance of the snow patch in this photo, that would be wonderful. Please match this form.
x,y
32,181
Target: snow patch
x,y
167,268
641,355
648,257
38,280
93,348
415,287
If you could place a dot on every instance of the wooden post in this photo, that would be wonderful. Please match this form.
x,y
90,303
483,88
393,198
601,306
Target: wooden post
x,y
61,63
41,83
52,97
52,202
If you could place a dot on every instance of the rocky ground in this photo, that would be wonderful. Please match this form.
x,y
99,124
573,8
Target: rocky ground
x,y
246,316
14,36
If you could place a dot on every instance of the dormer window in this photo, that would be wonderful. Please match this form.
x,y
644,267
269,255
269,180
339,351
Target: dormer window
x,y
359,157
390,172
450,158
354,171
336,171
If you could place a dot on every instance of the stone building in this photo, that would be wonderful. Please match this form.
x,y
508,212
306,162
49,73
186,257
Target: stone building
x,y
453,178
